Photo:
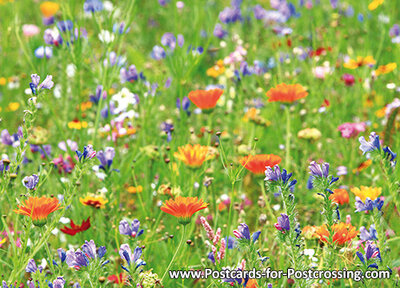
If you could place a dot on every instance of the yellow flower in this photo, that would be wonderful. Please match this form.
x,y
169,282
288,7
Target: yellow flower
x,y
361,61
49,9
13,106
76,124
3,81
375,4
86,105
96,201
381,112
367,192
216,70
309,134
134,190
384,69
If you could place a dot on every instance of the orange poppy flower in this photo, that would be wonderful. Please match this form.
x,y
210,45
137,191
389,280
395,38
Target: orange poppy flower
x,y
257,163
49,8
38,209
205,99
193,156
340,196
286,93
183,207
343,233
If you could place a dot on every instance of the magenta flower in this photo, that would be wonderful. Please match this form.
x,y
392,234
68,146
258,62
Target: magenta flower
x,y
350,130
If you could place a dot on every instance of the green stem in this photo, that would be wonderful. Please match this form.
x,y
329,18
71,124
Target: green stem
x,y
176,253
288,136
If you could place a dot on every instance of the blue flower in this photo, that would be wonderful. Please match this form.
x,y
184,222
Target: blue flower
x,y
88,153
369,205
36,87
219,32
130,230
283,223
243,232
91,6
317,171
158,53
99,93
30,182
371,145
275,175
370,235
132,259
106,158
371,252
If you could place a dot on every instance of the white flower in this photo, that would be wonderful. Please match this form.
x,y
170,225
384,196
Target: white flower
x,y
123,99
106,36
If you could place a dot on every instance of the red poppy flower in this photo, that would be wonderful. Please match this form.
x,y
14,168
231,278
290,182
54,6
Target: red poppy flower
x,y
76,228
286,93
205,99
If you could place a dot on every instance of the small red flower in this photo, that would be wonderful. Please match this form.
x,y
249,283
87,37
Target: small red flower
x,y
76,228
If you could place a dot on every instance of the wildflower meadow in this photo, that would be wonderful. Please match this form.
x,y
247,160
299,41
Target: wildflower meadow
x,y
203,143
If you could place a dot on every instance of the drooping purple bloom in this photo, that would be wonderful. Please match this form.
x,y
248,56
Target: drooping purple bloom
x,y
106,158
99,93
219,32
132,259
283,223
88,153
32,268
371,252
274,174
66,25
317,171
167,127
76,259
243,232
58,283
371,145
132,230
129,75
30,182
369,204
169,40
91,6
46,84
370,235
61,254
389,154
158,53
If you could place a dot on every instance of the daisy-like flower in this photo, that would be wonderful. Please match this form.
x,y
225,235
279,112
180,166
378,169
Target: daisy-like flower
x,y
183,207
365,192
74,229
385,69
360,61
342,233
193,156
124,98
38,209
340,196
286,93
258,163
205,99
49,9
96,201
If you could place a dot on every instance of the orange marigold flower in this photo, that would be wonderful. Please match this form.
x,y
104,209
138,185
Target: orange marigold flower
x,y
367,192
183,207
342,233
38,209
252,283
49,8
286,93
257,163
361,61
309,231
205,99
216,70
340,196
384,69
193,156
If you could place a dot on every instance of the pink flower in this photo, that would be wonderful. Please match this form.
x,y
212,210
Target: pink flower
x,y
348,79
349,130
30,30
